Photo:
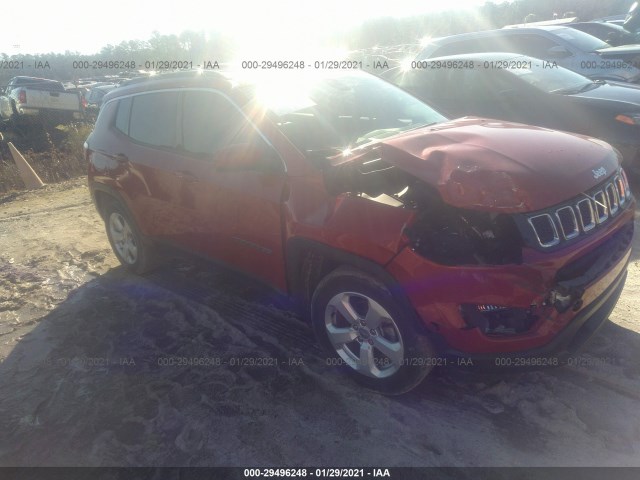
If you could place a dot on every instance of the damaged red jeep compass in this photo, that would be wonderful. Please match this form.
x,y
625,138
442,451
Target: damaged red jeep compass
x,y
407,238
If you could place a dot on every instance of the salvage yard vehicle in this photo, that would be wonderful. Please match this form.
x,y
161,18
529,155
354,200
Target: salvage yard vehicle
x,y
5,108
614,35
32,96
523,89
408,240
570,48
97,93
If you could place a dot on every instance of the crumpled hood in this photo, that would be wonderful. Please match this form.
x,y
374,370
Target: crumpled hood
x,y
499,166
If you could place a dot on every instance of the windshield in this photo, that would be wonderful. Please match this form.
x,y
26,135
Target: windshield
x,y
551,80
340,110
581,40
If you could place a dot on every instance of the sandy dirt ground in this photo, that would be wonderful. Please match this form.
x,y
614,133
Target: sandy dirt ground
x,y
97,368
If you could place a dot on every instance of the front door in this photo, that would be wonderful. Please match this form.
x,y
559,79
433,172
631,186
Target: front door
x,y
231,183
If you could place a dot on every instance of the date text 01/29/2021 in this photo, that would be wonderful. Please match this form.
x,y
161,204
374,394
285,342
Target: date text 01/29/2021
x,y
413,361
317,472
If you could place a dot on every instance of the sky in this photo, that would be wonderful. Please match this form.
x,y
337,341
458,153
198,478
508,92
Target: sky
x,y
86,27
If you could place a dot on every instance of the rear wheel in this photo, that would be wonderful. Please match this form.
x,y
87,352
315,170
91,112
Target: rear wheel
x,y
369,333
133,251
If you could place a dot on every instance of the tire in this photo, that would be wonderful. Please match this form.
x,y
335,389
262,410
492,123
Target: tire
x,y
370,334
133,250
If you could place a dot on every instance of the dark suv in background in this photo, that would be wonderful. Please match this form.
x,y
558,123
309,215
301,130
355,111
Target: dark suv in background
x,y
523,89
567,47
407,240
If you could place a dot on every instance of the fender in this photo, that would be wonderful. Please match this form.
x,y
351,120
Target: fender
x,y
95,187
301,285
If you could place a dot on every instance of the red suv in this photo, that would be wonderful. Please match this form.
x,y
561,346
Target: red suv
x,y
410,240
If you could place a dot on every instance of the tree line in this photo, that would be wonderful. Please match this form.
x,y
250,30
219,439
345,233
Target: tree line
x,y
379,33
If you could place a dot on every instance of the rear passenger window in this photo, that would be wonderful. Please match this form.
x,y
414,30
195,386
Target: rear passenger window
x,y
122,116
153,119
211,122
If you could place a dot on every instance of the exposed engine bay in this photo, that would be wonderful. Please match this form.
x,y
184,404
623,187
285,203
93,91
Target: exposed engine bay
x,y
445,234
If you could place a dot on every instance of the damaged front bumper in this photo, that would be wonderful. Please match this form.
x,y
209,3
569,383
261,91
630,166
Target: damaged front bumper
x,y
556,352
566,294
580,329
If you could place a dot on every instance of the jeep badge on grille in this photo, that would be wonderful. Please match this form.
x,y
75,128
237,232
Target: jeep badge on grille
x,y
600,172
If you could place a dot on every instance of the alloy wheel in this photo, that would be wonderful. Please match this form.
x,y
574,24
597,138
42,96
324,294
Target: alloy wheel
x,y
124,239
364,334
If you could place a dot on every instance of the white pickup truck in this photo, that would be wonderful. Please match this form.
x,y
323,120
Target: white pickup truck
x,y
31,95
5,108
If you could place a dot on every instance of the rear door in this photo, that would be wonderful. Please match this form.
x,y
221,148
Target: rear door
x,y
199,175
145,146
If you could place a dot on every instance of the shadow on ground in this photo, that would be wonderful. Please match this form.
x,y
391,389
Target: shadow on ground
x,y
193,367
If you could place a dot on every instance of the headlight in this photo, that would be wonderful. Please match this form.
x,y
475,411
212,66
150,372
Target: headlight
x,y
629,118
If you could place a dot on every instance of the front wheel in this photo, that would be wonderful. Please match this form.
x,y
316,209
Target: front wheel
x,y
369,333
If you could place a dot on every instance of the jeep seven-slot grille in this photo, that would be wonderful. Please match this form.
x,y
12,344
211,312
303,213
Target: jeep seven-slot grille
x,y
581,214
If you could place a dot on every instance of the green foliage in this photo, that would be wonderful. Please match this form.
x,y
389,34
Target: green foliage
x,y
196,47
189,46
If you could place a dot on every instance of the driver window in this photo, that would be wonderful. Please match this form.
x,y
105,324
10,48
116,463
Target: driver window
x,y
210,122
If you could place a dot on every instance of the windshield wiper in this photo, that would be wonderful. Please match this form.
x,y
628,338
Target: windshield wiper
x,y
592,85
583,88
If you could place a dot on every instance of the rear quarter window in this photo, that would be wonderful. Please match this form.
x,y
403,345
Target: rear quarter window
x,y
122,116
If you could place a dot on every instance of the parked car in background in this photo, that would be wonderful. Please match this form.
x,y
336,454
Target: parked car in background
x,y
569,48
32,96
5,108
81,91
610,33
614,19
407,239
524,89
632,20
97,93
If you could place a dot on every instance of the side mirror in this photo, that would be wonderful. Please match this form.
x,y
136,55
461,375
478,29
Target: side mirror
x,y
614,38
558,52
